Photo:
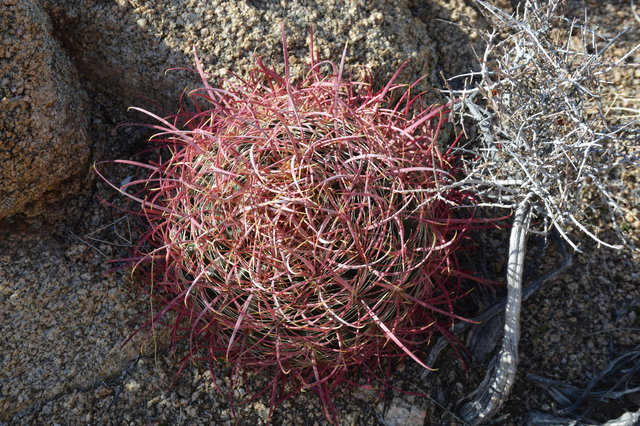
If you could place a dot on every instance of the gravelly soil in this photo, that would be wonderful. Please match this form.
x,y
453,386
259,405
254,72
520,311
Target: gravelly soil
x,y
75,371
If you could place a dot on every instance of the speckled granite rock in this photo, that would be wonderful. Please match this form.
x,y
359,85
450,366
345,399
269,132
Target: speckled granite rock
x,y
43,120
62,321
126,46
402,413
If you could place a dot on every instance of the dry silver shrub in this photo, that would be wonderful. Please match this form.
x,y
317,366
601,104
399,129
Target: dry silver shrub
x,y
542,137
542,145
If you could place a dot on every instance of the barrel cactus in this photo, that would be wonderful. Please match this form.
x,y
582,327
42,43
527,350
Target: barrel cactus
x,y
306,226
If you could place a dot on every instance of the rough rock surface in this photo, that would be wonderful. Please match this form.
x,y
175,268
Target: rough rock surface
x,y
43,112
126,46
62,321
402,412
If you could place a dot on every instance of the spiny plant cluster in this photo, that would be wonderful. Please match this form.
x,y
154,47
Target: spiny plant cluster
x,y
301,227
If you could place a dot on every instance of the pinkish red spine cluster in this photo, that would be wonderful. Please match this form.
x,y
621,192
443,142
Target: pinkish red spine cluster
x,y
302,227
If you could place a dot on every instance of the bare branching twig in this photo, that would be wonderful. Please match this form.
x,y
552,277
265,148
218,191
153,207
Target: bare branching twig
x,y
542,145
540,124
